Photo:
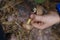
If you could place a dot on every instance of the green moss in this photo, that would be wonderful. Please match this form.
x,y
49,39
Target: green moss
x,y
39,1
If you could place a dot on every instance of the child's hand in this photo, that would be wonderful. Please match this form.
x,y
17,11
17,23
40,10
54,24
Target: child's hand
x,y
42,22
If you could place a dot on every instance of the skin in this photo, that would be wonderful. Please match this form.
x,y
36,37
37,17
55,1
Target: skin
x,y
45,21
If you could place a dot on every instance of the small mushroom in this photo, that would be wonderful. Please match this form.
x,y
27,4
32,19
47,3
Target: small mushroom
x,y
39,10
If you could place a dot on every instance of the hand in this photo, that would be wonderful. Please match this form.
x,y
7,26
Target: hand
x,y
42,22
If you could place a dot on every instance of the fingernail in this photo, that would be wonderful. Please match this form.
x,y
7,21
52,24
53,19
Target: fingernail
x,y
32,16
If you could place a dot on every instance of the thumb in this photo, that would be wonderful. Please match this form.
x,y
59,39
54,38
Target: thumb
x,y
37,17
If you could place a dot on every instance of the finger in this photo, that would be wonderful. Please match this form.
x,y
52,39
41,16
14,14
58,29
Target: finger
x,y
32,16
40,25
44,26
38,18
44,18
36,24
